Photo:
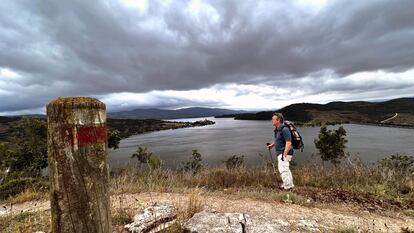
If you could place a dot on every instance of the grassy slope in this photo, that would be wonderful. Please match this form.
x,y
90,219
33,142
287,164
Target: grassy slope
x,y
363,188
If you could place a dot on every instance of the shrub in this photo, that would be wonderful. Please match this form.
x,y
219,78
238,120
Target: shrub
x,y
154,162
15,186
234,161
26,151
398,171
194,165
144,156
114,138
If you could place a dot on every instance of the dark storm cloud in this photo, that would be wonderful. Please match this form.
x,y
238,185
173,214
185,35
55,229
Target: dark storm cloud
x,y
101,47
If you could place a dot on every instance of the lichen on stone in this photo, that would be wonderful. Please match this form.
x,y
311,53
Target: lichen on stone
x,y
76,102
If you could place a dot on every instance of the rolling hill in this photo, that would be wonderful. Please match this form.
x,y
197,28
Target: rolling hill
x,y
345,112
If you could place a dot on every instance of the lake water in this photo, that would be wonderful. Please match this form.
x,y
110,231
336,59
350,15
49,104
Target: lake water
x,y
235,137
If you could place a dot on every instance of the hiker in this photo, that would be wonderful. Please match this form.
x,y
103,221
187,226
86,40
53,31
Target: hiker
x,y
284,150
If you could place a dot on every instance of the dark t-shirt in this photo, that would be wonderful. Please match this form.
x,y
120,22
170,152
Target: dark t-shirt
x,y
281,136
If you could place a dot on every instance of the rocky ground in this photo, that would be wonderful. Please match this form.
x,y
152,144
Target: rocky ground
x,y
220,208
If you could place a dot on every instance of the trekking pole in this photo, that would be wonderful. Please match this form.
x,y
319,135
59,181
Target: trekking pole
x,y
271,159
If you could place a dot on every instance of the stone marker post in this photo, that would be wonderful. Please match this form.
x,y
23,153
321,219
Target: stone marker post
x,y
78,167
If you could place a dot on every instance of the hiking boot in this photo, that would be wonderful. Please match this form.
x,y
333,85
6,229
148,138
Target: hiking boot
x,y
288,189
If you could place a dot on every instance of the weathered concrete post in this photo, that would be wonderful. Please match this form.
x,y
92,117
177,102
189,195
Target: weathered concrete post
x,y
78,167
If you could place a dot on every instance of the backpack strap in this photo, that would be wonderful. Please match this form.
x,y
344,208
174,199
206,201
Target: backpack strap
x,y
281,131
285,125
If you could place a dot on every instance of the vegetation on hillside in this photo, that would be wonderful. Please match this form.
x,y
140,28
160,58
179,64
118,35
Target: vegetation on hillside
x,y
23,156
344,112
128,127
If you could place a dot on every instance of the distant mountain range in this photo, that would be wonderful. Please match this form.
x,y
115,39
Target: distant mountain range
x,y
346,112
337,112
154,113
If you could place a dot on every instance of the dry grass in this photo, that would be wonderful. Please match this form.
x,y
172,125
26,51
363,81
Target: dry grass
x,y
122,216
194,205
186,209
29,194
363,186
212,179
26,222
256,183
346,177
357,178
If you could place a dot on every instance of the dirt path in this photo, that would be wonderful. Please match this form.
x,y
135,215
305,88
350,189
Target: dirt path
x,y
326,218
388,119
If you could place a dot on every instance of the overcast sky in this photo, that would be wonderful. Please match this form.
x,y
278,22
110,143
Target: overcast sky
x,y
234,54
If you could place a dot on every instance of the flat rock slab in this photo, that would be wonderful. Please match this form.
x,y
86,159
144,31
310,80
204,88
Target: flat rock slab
x,y
153,219
212,222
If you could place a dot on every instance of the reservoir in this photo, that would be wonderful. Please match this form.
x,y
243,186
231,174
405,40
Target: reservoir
x,y
239,137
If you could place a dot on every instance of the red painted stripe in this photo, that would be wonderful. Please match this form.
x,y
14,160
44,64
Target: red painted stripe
x,y
86,136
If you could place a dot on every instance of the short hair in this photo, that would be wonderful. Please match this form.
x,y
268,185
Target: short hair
x,y
279,116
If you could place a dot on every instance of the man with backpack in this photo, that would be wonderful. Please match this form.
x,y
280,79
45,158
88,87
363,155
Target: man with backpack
x,y
284,149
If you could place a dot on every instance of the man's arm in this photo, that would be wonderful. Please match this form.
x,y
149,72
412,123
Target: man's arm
x,y
270,146
288,139
288,146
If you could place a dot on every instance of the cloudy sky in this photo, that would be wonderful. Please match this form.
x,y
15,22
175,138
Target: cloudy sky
x,y
234,54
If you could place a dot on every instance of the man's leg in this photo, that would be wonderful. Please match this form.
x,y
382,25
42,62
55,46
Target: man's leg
x,y
281,165
284,171
280,168
289,176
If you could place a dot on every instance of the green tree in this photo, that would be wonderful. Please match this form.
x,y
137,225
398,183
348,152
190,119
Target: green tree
x,y
331,144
